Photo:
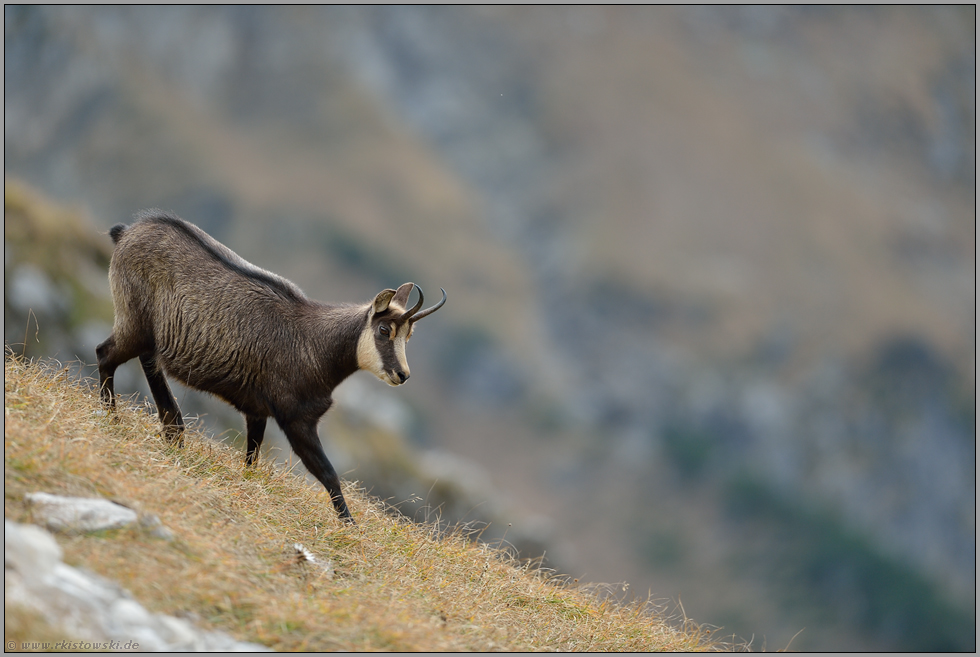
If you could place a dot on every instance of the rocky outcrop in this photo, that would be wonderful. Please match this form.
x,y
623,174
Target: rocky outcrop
x,y
91,609
86,514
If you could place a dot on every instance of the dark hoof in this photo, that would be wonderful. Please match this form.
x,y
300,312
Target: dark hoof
x,y
174,436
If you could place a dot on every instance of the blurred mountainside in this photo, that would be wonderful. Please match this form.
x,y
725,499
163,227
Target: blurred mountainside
x,y
711,271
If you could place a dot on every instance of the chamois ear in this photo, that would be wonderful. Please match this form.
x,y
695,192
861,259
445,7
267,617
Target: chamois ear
x,y
382,300
401,296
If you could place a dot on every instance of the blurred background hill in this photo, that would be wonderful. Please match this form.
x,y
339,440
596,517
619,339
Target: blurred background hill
x,y
711,271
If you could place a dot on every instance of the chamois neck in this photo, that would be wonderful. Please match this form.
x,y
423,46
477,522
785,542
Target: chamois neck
x,y
337,329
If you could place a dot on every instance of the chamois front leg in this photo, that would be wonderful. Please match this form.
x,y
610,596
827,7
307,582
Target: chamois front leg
x,y
306,444
255,427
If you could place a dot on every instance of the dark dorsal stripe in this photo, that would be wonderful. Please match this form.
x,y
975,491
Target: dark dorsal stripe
x,y
273,283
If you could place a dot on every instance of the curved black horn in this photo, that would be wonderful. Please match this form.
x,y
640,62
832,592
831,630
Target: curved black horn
x,y
428,311
414,309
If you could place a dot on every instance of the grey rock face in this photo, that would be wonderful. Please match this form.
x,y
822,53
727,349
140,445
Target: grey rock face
x,y
80,514
91,608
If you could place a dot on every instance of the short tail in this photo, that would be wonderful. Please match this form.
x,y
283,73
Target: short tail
x,y
116,232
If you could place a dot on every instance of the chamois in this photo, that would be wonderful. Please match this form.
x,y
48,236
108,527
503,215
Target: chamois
x,y
188,306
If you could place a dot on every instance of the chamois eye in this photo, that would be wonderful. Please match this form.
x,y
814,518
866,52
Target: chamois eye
x,y
383,330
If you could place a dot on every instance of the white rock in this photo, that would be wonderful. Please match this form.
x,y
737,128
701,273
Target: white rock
x,y
178,632
31,550
83,514
89,607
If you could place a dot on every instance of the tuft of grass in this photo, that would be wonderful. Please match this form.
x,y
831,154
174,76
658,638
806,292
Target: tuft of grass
x,y
393,585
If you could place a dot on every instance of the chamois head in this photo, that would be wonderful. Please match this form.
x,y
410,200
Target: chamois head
x,y
390,322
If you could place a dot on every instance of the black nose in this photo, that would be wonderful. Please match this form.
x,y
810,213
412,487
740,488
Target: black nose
x,y
402,377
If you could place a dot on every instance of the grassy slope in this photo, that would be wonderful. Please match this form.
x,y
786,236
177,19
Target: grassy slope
x,y
396,586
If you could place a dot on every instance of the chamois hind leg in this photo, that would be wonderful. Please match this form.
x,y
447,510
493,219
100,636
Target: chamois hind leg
x,y
306,443
173,422
110,356
255,427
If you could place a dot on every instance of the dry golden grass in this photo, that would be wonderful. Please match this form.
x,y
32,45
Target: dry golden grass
x,y
395,586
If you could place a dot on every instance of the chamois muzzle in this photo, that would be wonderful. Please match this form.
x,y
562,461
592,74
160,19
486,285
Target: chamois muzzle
x,y
413,315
